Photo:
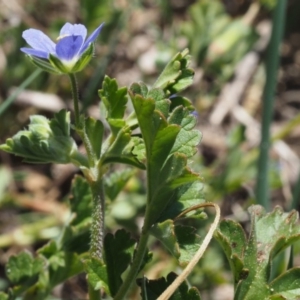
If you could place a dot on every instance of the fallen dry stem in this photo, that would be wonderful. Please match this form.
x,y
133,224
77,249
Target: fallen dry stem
x,y
177,282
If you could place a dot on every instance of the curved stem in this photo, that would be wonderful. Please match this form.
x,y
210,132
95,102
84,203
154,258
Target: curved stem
x,y
75,96
178,281
131,276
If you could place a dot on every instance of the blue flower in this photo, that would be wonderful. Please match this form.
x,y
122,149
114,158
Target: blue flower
x,y
70,54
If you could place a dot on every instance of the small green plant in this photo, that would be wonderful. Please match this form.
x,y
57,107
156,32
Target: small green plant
x,y
251,258
163,146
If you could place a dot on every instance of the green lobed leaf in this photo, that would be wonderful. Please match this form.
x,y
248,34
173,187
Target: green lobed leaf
x,y
80,201
139,88
96,274
231,237
152,289
158,136
184,80
118,251
49,251
270,233
45,141
121,150
162,104
165,233
189,243
157,94
181,241
176,76
173,168
187,139
181,101
39,291
71,265
149,120
23,268
176,196
139,150
115,182
160,151
115,100
94,130
169,141
24,272
287,283
61,264
116,125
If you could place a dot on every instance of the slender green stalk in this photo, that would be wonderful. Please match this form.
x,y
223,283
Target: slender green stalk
x,y
94,178
262,189
80,127
93,295
97,227
138,258
142,244
75,96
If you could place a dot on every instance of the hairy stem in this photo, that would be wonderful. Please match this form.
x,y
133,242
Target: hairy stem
x,y
97,228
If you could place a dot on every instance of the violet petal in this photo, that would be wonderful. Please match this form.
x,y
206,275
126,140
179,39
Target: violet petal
x,y
76,29
91,38
37,53
68,47
38,40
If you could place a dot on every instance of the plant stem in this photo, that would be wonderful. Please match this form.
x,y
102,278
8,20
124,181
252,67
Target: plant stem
x,y
80,129
97,227
262,189
138,258
93,295
75,96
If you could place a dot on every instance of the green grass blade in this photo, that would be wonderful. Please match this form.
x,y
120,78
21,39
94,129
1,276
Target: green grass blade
x,y
272,62
5,105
